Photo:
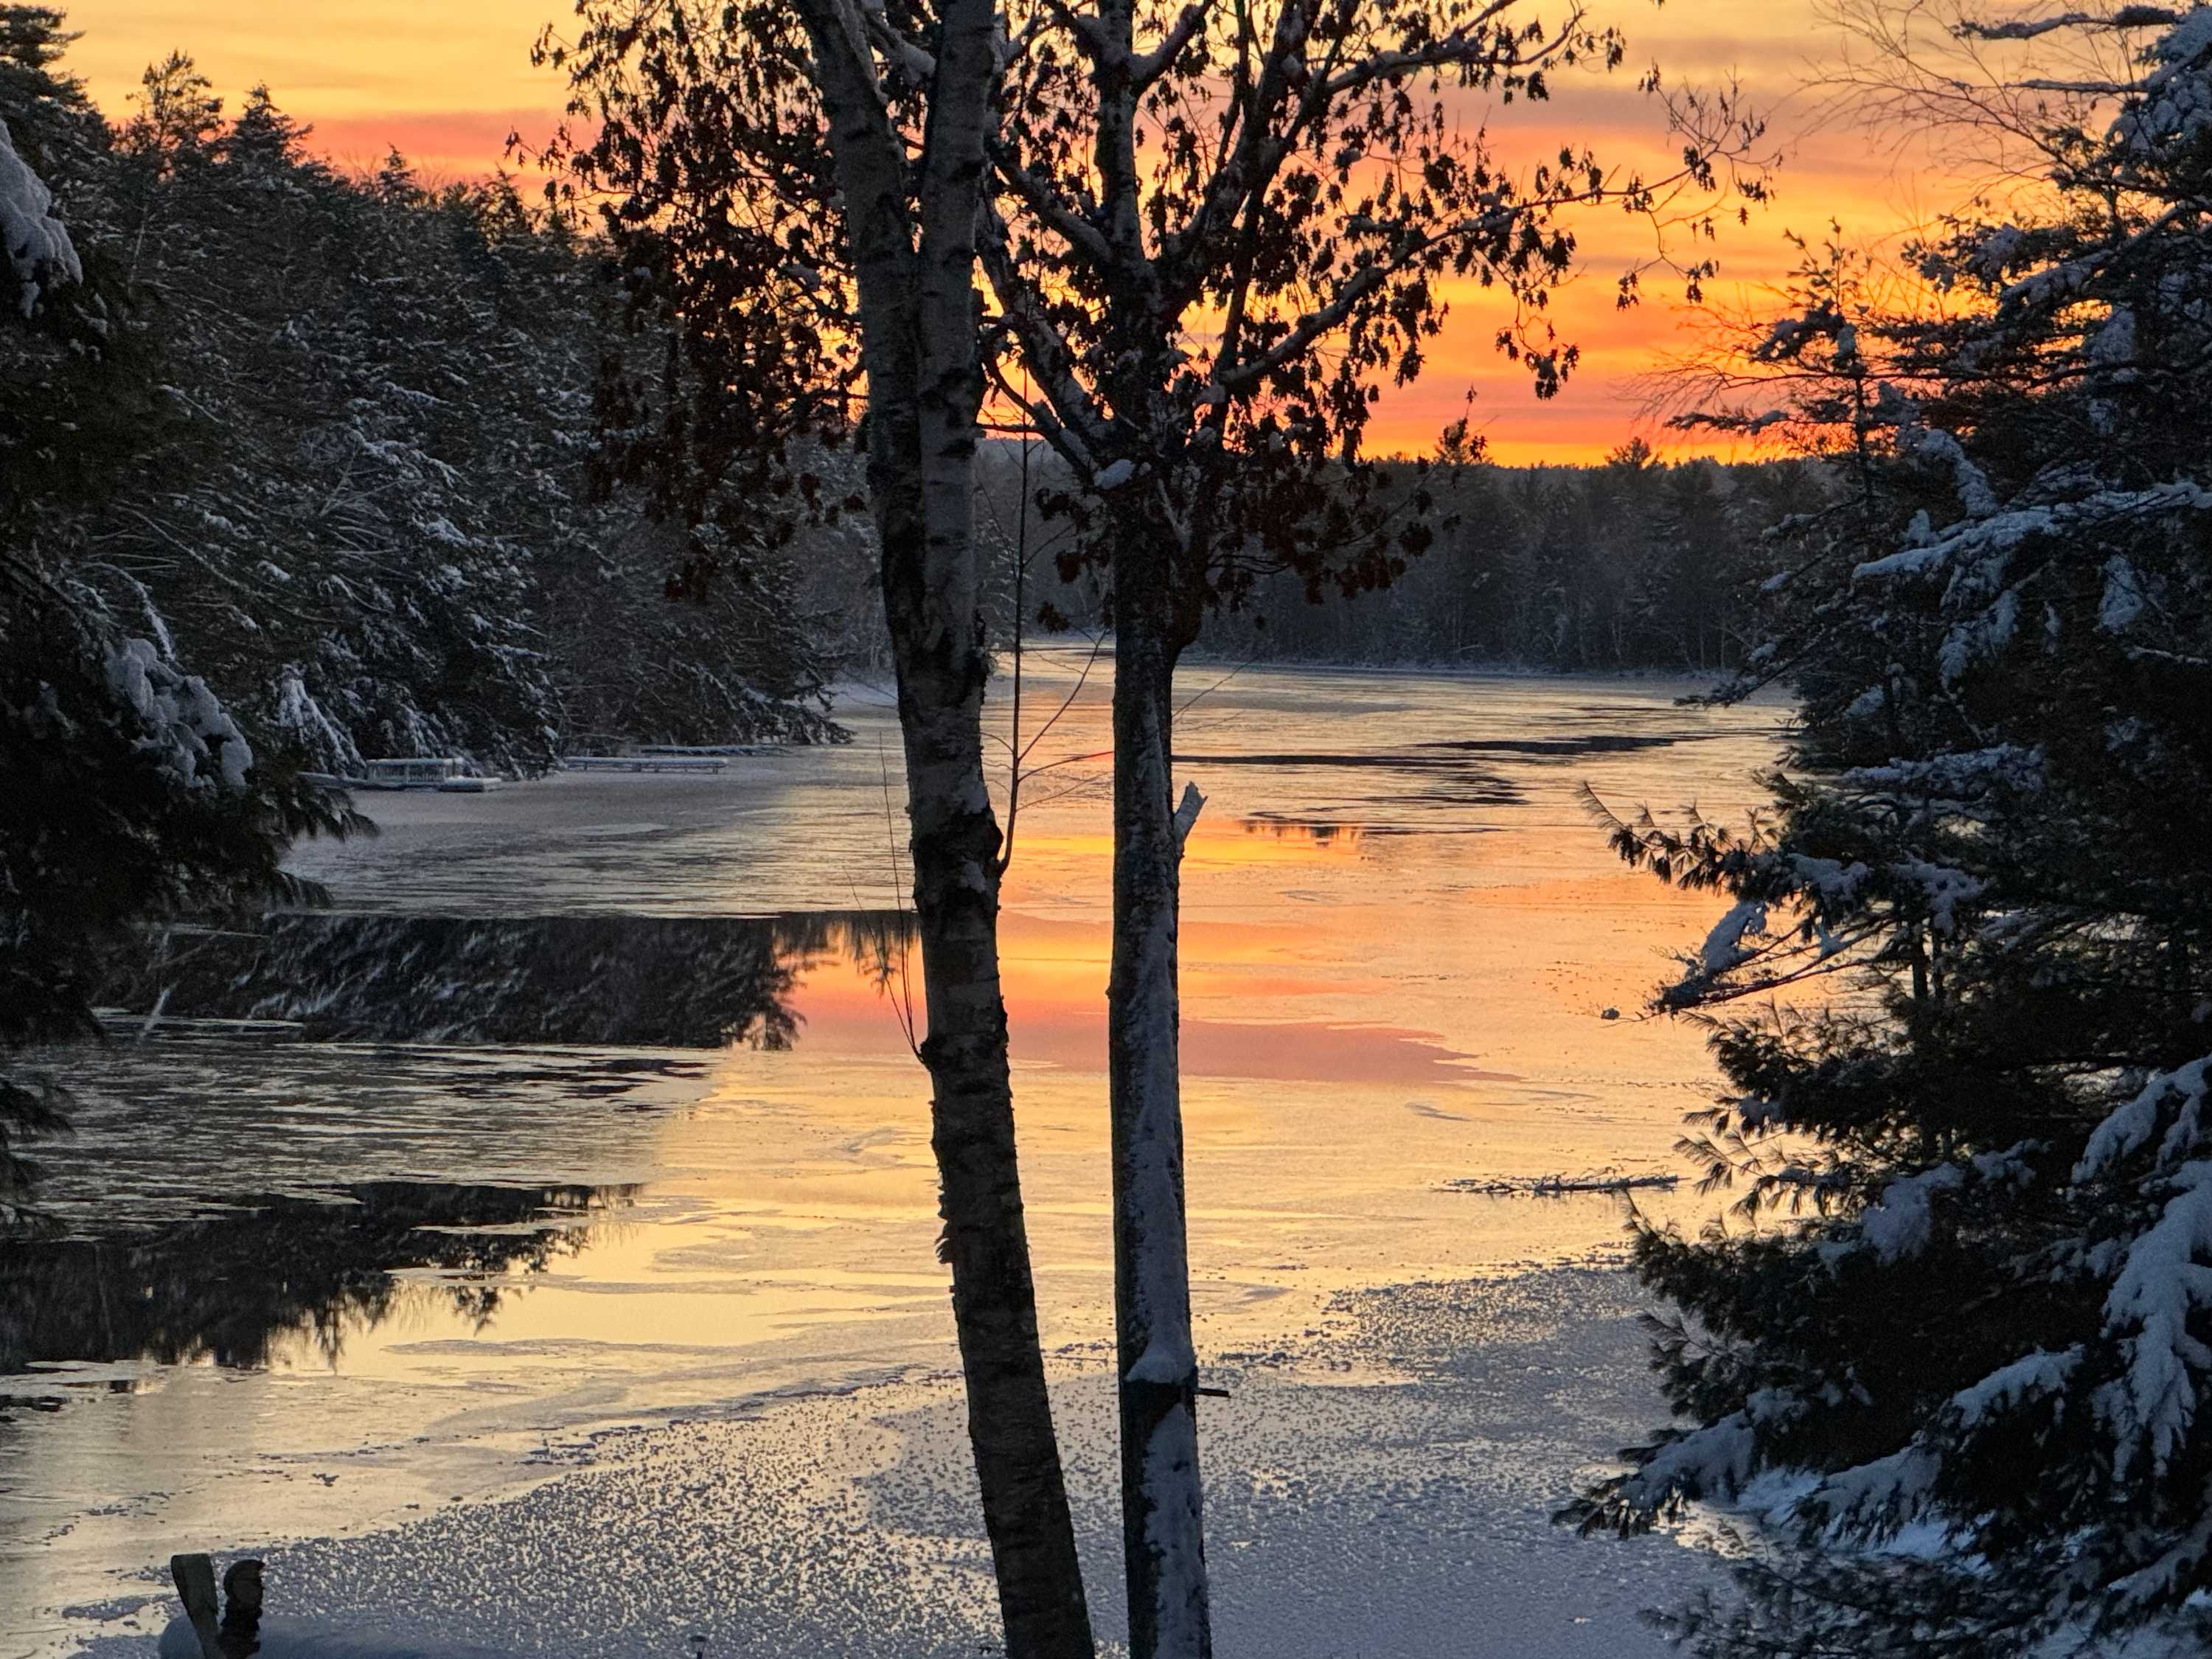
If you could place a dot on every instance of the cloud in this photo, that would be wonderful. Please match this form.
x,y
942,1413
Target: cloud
x,y
445,85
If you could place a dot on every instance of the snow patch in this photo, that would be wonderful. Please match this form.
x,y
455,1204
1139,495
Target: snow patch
x,y
36,246
1900,1225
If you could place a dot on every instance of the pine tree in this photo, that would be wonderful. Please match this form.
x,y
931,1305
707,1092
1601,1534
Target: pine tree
x,y
132,792
1953,1346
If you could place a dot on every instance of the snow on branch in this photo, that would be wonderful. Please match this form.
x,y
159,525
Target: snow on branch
x,y
2128,1129
2163,1285
1940,447
1958,777
1943,889
2024,28
2032,1377
1724,947
188,729
2123,599
35,244
1980,537
2178,1562
1900,1224
1713,1462
1880,1496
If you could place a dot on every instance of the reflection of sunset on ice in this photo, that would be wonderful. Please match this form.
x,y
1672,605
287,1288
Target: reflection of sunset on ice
x,y
1105,830
1370,1013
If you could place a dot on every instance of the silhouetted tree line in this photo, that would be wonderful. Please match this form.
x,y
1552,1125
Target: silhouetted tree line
x,y
1633,564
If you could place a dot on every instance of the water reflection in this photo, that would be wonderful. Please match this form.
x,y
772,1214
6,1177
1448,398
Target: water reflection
x,y
647,982
1316,832
1428,776
1338,1000
203,1222
282,1272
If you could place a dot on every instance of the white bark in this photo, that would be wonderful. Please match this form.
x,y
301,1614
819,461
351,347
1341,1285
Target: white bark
x,y
914,257
1163,1502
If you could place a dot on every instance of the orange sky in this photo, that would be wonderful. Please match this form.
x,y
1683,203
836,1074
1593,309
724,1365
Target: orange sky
x,y
447,82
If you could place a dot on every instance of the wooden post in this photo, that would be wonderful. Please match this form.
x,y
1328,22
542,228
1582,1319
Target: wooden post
x,y
241,1609
195,1580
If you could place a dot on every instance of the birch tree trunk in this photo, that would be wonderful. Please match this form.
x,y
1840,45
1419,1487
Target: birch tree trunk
x,y
921,347
1162,1536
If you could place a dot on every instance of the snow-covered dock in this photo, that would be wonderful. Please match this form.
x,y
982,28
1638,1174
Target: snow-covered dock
x,y
448,773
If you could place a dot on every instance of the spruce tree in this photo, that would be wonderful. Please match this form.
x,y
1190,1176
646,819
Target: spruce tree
x,y
1950,1345
132,794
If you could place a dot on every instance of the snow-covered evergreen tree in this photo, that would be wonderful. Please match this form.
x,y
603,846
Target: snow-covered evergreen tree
x,y
131,792
360,420
1954,1348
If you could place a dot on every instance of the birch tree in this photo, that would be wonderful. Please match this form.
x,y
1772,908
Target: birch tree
x,y
797,189
1215,231
1209,235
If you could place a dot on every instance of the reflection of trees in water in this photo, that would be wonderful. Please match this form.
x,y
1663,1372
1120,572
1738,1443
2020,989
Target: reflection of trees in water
x,y
232,1288
1320,832
649,982
236,1287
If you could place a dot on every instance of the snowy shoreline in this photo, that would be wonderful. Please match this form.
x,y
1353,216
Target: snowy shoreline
x,y
1379,1483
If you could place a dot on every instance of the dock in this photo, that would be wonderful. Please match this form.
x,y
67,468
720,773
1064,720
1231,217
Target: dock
x,y
643,762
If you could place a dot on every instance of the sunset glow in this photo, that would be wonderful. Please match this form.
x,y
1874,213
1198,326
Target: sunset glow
x,y
446,85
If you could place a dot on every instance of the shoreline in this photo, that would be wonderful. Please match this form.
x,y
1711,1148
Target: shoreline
x,y
1384,1476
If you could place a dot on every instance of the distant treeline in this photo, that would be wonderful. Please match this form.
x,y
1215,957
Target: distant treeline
x,y
328,442
1633,564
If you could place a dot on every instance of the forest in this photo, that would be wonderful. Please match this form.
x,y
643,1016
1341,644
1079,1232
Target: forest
x,y
334,454
1633,564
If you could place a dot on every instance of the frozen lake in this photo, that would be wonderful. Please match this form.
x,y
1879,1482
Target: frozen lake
x,y
567,1198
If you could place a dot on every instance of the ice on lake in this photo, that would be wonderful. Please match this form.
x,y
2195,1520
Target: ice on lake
x,y
567,1191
